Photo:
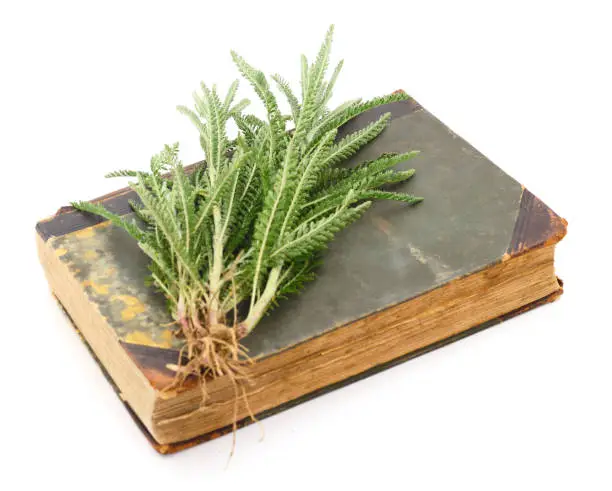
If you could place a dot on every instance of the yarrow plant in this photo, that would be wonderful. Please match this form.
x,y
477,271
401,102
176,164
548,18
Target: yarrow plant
x,y
247,227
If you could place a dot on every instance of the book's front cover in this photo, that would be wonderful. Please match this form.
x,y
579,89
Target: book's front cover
x,y
474,216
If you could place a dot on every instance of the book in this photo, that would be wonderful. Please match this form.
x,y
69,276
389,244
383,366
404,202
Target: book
x,y
397,283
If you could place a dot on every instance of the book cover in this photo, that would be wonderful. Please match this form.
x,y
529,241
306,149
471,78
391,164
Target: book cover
x,y
474,217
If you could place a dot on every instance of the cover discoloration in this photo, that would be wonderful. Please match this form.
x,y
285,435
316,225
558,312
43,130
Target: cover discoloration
x,y
112,271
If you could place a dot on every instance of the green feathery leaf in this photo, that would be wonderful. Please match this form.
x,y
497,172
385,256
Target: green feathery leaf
x,y
251,224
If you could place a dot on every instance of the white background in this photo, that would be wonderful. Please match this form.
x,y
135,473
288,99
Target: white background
x,y
86,88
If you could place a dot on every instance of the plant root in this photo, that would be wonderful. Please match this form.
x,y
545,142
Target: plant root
x,y
211,352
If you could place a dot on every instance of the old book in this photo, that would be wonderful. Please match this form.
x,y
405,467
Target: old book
x,y
395,284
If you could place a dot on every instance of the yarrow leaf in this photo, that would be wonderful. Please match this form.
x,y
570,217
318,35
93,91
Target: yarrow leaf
x,y
248,225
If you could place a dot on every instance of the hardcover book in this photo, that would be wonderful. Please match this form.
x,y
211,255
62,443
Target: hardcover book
x,y
393,285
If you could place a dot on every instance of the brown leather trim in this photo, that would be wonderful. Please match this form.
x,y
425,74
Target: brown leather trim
x,y
67,219
153,362
536,225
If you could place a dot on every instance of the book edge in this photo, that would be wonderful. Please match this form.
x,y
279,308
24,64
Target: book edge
x,y
183,445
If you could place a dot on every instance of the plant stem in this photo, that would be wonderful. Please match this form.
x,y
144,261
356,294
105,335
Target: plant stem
x,y
217,269
261,306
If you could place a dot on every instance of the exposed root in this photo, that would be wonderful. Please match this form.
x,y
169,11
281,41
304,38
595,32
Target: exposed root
x,y
210,352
